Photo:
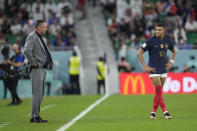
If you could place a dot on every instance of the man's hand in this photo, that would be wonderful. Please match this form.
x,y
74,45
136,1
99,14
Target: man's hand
x,y
146,68
7,61
168,66
35,66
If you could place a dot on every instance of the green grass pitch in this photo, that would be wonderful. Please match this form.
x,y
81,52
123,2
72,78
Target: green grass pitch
x,y
116,113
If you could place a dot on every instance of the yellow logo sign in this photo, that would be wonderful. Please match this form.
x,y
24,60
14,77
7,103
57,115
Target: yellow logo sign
x,y
161,46
133,85
162,53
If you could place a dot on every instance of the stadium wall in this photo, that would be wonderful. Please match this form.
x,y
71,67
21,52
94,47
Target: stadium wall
x,y
57,77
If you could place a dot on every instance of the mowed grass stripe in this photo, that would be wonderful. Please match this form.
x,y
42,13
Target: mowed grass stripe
x,y
131,113
65,108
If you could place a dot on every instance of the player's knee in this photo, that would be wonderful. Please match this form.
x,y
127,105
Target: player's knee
x,y
156,82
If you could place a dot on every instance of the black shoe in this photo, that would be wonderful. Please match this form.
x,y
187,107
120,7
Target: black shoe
x,y
18,102
37,119
11,104
153,115
167,116
42,119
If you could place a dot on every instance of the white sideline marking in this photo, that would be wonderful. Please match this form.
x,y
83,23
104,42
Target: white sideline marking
x,y
3,125
83,113
44,108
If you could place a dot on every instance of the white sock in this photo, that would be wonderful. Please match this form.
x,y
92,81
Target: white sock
x,y
165,112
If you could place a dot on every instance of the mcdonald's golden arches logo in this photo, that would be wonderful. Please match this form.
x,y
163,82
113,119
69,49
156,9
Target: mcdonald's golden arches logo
x,y
134,81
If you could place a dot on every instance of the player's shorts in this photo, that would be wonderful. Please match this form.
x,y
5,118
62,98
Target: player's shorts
x,y
164,75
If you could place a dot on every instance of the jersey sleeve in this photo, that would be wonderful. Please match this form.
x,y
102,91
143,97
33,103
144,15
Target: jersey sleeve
x,y
171,45
20,58
146,46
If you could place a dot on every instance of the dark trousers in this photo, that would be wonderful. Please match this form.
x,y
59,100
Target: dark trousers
x,y
48,84
5,92
74,83
100,83
11,84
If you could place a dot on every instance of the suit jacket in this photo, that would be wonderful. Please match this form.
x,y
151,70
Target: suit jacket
x,y
35,52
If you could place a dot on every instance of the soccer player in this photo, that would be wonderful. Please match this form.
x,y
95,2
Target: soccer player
x,y
158,65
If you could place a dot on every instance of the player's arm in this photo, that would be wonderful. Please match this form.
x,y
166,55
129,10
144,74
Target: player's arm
x,y
15,64
140,57
173,55
171,61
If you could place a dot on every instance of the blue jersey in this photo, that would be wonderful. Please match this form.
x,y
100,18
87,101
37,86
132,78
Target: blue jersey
x,y
157,50
17,58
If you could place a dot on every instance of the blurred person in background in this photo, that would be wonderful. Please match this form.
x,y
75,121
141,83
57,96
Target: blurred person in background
x,y
186,68
81,7
147,5
136,7
121,7
101,70
26,9
160,5
122,49
191,25
192,64
38,4
150,17
11,7
55,28
28,27
66,21
158,66
37,15
50,6
5,27
57,41
61,5
74,72
16,28
11,79
180,37
139,26
123,65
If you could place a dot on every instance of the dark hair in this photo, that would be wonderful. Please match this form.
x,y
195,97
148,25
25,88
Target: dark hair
x,y
74,53
192,57
38,23
100,58
123,58
160,25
